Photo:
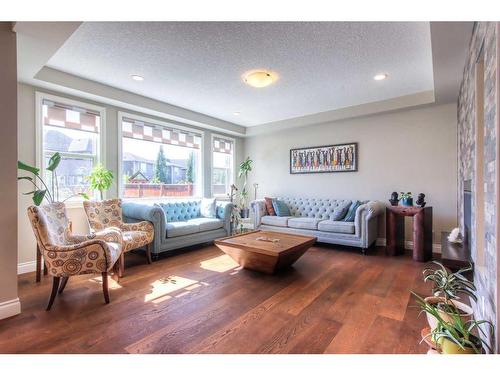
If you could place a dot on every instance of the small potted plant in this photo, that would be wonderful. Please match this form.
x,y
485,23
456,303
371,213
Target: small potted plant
x,y
447,287
454,335
245,168
100,179
406,199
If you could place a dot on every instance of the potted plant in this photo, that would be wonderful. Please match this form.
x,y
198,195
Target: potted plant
x,y
447,286
41,190
244,169
100,179
454,335
406,199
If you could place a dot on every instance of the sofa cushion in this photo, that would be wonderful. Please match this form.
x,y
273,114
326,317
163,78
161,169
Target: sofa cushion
x,y
207,207
351,213
180,211
336,226
277,221
181,228
280,208
206,224
269,206
303,223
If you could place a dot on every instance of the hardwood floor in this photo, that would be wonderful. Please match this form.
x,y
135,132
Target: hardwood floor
x,y
334,300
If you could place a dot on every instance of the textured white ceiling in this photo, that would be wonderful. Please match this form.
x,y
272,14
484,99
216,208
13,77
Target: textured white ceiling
x,y
322,65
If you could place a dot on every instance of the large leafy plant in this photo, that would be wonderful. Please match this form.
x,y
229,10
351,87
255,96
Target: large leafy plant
x,y
456,330
449,284
100,179
244,169
40,189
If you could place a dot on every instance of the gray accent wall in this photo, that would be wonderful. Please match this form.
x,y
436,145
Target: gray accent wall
x,y
409,150
484,38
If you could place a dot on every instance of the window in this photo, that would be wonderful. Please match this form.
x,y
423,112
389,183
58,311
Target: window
x,y
222,165
73,129
159,160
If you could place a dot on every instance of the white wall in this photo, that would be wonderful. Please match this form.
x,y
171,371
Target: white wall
x,y
412,150
26,153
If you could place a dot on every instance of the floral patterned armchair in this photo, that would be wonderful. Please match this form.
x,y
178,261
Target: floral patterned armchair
x,y
108,214
66,254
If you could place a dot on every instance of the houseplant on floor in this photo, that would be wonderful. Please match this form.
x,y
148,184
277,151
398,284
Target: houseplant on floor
x,y
100,179
454,335
447,287
41,189
244,169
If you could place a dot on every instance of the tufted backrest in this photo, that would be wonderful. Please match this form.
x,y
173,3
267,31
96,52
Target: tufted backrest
x,y
104,214
316,208
50,224
181,211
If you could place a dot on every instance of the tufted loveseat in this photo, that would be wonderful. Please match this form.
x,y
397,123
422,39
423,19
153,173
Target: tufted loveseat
x,y
179,223
316,217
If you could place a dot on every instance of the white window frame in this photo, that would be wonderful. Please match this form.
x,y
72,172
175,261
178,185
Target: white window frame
x,y
101,139
216,135
172,125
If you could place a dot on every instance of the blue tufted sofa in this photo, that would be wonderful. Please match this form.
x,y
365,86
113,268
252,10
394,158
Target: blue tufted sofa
x,y
313,217
178,223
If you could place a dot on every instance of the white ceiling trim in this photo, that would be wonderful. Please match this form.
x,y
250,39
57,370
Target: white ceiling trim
x,y
407,101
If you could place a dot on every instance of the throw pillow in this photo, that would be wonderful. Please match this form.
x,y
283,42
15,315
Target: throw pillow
x,y
339,212
269,206
351,214
281,208
207,207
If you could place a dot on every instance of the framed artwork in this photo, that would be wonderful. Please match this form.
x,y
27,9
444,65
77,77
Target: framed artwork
x,y
324,159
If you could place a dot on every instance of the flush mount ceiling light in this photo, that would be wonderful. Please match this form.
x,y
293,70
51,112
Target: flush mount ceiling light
x,y
259,78
380,76
136,77
236,113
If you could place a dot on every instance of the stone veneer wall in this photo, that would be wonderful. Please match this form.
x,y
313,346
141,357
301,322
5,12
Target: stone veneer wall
x,y
484,36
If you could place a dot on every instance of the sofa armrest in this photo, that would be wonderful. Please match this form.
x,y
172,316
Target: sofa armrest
x,y
258,208
366,221
135,212
224,210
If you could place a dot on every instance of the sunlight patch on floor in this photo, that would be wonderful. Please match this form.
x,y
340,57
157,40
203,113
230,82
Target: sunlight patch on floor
x,y
164,287
112,284
222,263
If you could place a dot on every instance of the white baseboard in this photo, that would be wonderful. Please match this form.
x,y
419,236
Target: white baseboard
x,y
26,267
10,308
436,248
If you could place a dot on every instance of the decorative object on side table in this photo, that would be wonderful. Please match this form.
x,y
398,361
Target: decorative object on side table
x,y
394,199
406,199
421,200
454,236
245,168
323,159
422,231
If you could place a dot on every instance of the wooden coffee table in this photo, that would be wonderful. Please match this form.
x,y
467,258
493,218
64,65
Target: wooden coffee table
x,y
265,251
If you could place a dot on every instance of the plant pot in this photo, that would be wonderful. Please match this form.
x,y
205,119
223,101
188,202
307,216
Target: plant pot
x,y
444,315
407,202
245,213
449,347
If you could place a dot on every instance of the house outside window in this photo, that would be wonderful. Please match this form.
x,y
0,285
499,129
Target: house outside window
x,y
159,160
72,129
222,165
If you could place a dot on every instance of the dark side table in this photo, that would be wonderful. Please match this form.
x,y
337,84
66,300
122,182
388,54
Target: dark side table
x,y
422,231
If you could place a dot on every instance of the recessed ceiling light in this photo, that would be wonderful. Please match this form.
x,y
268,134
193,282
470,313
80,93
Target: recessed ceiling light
x,y
380,77
259,78
136,77
236,113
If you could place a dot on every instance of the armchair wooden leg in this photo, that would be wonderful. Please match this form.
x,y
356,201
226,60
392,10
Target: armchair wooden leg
x,y
55,287
105,286
63,284
148,252
45,269
38,264
121,264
